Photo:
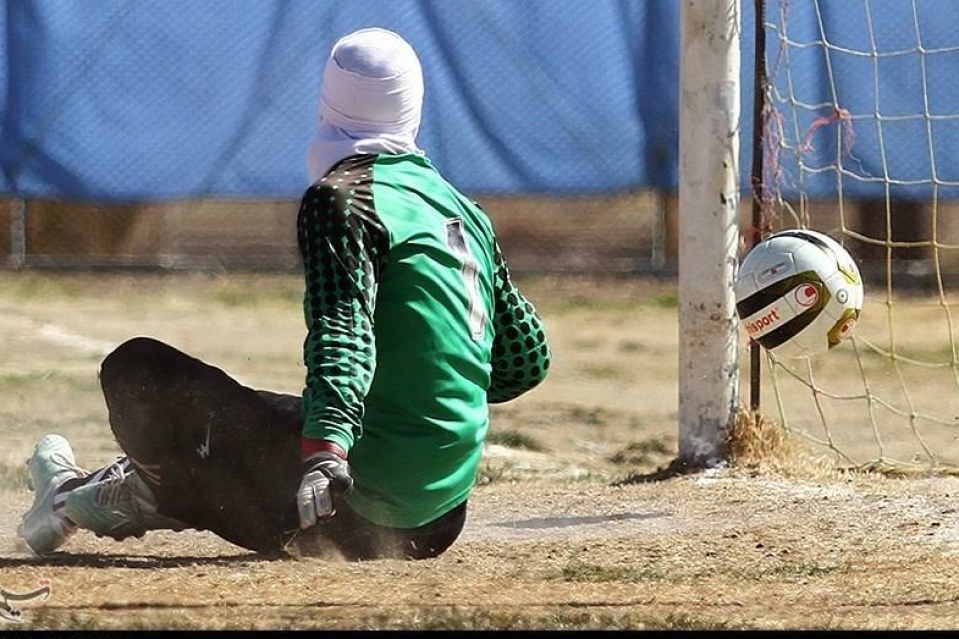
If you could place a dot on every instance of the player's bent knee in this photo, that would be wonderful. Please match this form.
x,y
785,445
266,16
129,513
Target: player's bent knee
x,y
131,360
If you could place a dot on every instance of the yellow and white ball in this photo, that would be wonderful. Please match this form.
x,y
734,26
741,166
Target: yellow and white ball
x,y
798,293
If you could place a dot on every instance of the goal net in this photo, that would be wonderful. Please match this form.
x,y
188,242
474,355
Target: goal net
x,y
860,140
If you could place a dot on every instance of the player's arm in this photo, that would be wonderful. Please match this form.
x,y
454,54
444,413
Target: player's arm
x,y
521,354
342,250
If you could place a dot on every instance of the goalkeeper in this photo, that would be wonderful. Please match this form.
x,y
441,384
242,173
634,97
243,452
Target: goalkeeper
x,y
413,328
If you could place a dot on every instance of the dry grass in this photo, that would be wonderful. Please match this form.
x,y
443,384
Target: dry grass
x,y
761,443
555,538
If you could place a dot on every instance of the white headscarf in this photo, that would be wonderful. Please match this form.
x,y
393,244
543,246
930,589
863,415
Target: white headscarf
x,y
371,100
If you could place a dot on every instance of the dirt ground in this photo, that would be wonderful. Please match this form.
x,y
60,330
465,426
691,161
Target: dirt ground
x,y
560,533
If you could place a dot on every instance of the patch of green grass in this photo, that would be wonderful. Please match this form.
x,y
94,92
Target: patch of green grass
x,y
633,346
514,439
47,619
18,381
643,452
416,618
10,381
592,573
687,622
571,305
461,618
589,415
28,286
801,570
606,372
586,304
666,299
240,296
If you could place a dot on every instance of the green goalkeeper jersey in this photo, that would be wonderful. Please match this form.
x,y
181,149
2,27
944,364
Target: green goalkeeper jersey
x,y
413,328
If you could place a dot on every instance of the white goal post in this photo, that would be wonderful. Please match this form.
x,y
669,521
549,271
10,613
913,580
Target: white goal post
x,y
708,226
857,137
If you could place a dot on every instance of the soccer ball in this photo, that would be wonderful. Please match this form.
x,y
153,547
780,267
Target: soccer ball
x,y
798,293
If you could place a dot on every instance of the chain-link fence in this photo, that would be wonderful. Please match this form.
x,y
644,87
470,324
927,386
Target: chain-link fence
x,y
616,234
173,134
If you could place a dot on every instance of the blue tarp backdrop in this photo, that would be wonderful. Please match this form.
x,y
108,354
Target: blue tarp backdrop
x,y
136,100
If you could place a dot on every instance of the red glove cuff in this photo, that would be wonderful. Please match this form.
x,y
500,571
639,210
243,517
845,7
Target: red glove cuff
x,y
309,447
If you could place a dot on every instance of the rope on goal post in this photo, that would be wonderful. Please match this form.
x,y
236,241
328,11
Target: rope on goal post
x,y
766,176
755,438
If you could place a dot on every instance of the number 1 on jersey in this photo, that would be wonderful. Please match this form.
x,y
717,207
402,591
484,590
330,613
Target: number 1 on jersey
x,y
456,238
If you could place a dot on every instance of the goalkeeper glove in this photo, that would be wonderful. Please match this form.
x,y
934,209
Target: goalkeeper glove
x,y
326,478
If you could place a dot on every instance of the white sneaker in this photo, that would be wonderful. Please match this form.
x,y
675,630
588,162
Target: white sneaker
x,y
115,502
45,527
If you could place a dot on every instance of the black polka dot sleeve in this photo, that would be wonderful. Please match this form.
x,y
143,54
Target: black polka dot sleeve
x,y
342,244
521,354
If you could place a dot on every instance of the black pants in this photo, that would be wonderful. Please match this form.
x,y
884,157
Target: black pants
x,y
223,457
